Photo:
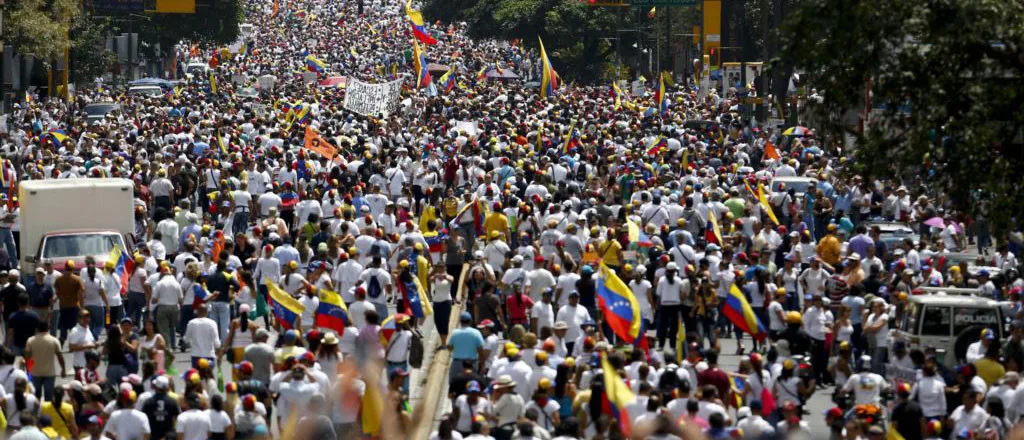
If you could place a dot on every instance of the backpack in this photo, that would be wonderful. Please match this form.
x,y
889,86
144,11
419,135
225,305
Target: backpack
x,y
416,350
373,289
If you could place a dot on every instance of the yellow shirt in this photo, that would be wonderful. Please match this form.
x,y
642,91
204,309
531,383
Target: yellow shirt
x,y
66,410
989,370
496,222
608,252
429,213
828,249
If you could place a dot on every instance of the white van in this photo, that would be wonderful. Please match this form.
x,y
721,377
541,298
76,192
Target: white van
x,y
950,323
147,91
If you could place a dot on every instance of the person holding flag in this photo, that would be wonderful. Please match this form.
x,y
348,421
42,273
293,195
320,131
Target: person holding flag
x,y
549,79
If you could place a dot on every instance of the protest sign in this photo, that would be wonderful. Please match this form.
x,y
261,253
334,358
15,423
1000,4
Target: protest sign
x,y
372,99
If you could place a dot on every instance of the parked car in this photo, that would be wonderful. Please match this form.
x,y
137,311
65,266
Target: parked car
x,y
98,110
799,184
949,321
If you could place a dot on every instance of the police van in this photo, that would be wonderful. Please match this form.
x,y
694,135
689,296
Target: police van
x,y
949,320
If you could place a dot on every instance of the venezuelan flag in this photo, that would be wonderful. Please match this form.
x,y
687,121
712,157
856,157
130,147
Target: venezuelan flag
x,y
448,80
302,114
572,139
419,30
414,296
737,384
199,294
314,64
549,79
213,82
435,241
289,199
617,94
620,308
638,236
660,97
660,144
617,395
420,62
762,200
371,408
123,267
332,312
738,310
286,309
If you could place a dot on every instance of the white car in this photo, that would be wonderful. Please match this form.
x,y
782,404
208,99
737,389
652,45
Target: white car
x,y
799,184
949,321
147,91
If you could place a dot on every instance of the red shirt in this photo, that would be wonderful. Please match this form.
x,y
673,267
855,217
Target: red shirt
x,y
518,305
716,377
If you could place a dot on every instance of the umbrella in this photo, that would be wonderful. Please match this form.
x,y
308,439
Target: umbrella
x,y
437,68
334,81
390,326
798,131
936,222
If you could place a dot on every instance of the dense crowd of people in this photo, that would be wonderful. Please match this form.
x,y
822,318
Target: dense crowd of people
x,y
498,241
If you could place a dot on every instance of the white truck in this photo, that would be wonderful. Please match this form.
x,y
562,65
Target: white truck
x,y
70,219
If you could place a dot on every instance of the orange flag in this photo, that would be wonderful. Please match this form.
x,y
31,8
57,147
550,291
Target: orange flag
x,y
770,152
276,8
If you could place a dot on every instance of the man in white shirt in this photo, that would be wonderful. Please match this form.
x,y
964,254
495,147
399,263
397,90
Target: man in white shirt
x,y
128,422
969,415
80,340
166,299
294,393
755,426
202,336
357,310
542,314
193,424
572,316
345,276
539,280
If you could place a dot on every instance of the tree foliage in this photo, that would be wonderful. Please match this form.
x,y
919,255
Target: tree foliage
x,y
946,81
218,24
39,27
578,37
90,58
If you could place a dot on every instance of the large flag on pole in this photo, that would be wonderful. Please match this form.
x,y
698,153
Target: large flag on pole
x,y
738,310
549,79
617,395
620,308
419,30
420,61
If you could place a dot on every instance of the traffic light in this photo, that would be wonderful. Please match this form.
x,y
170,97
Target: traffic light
x,y
606,3
715,57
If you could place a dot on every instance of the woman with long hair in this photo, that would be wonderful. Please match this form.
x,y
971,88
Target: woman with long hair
x,y
241,334
441,287
705,311
154,347
116,351
221,427
565,390
843,328
19,402
62,413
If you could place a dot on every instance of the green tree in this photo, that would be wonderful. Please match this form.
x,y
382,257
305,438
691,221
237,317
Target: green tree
x,y
946,80
579,38
39,27
89,57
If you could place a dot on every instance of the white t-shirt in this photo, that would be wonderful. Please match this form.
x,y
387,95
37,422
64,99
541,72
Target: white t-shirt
x,y
971,420
194,424
775,323
294,394
79,335
201,333
544,314
219,421
539,280
882,335
671,293
128,424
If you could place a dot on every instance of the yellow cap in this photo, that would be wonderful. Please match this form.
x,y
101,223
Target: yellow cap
x,y
495,234
544,383
570,362
293,265
403,264
794,317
